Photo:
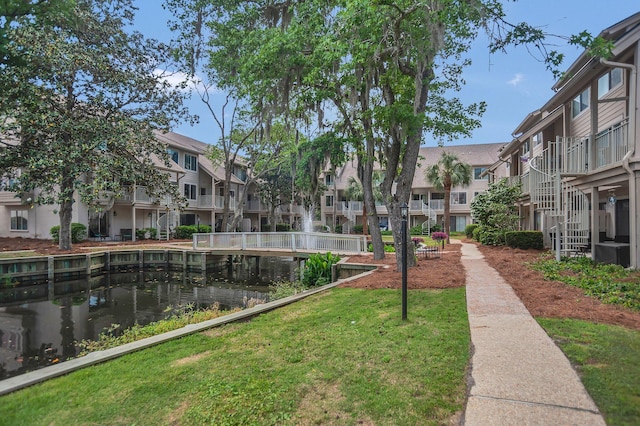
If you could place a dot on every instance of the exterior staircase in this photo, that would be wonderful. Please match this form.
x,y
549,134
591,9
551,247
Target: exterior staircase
x,y
566,207
431,219
350,214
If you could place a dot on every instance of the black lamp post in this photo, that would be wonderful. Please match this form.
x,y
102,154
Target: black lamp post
x,y
404,210
198,223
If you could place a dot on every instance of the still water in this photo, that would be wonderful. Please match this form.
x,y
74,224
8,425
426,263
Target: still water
x,y
41,325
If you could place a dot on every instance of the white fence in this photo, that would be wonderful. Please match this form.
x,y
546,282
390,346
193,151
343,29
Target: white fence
x,y
292,241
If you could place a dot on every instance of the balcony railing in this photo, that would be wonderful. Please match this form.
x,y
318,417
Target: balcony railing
x,y
436,204
612,145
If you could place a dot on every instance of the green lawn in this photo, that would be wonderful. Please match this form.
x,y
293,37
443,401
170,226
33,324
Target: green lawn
x,y
342,356
608,361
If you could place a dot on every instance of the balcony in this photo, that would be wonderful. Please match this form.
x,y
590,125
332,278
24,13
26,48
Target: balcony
x,y
612,145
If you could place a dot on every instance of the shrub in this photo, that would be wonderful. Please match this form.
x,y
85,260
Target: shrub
x,y
415,230
187,231
439,236
386,232
78,232
338,229
388,248
265,228
141,234
524,239
317,269
489,237
283,227
357,229
468,230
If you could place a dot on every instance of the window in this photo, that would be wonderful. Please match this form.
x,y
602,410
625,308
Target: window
x,y
203,191
329,201
437,196
240,173
609,81
173,154
478,173
458,197
190,191
536,139
328,179
580,103
19,220
526,149
190,162
476,193
458,223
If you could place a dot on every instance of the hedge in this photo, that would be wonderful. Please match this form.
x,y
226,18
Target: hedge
x,y
524,239
78,232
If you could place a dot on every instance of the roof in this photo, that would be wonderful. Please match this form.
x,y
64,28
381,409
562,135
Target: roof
x,y
474,154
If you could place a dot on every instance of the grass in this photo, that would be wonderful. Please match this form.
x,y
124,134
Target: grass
x,y
607,360
339,357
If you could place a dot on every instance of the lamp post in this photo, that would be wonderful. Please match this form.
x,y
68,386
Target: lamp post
x,y
404,210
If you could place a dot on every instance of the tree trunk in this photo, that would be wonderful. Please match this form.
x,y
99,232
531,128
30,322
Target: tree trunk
x,y
447,211
64,235
365,172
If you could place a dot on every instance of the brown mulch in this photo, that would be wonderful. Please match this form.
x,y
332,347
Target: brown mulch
x,y
542,298
48,247
444,272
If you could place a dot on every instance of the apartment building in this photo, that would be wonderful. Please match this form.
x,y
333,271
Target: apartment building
x,y
427,203
198,179
578,156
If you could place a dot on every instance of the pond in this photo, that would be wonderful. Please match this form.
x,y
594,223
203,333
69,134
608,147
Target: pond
x,y
42,324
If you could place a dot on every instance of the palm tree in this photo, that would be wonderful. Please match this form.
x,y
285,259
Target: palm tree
x,y
448,172
355,192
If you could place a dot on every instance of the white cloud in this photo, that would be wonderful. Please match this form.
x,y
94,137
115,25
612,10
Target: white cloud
x,y
183,81
516,80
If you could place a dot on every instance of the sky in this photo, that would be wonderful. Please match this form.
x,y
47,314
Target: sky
x,y
512,84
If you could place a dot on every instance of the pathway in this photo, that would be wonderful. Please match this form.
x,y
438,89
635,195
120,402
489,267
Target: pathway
x,y
518,375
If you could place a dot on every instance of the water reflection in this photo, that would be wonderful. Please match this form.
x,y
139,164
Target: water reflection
x,y
40,325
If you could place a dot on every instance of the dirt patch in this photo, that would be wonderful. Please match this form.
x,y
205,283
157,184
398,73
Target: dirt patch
x,y
443,272
190,359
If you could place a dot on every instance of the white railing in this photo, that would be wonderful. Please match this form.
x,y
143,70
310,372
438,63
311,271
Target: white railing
x,y
612,145
291,241
436,204
220,202
205,201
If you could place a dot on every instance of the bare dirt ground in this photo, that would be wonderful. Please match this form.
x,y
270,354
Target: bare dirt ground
x,y
542,298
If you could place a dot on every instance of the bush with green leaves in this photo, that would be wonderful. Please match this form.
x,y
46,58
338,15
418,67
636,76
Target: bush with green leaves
x,y
78,232
488,236
495,210
357,229
141,234
187,231
283,227
524,239
388,248
317,269
468,230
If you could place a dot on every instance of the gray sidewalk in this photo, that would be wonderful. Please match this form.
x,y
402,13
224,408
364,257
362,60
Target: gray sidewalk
x,y
518,375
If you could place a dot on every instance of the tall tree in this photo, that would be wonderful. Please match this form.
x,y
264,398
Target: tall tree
x,y
387,69
448,172
314,156
80,116
18,12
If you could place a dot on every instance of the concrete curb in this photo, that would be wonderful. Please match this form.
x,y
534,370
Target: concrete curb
x,y
33,377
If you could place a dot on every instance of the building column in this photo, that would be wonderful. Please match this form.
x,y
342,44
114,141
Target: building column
x,y
595,219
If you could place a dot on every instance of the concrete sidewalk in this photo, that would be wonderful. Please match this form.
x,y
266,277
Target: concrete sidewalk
x,y
518,375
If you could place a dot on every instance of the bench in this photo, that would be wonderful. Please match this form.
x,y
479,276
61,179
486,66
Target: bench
x,y
429,252
126,234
